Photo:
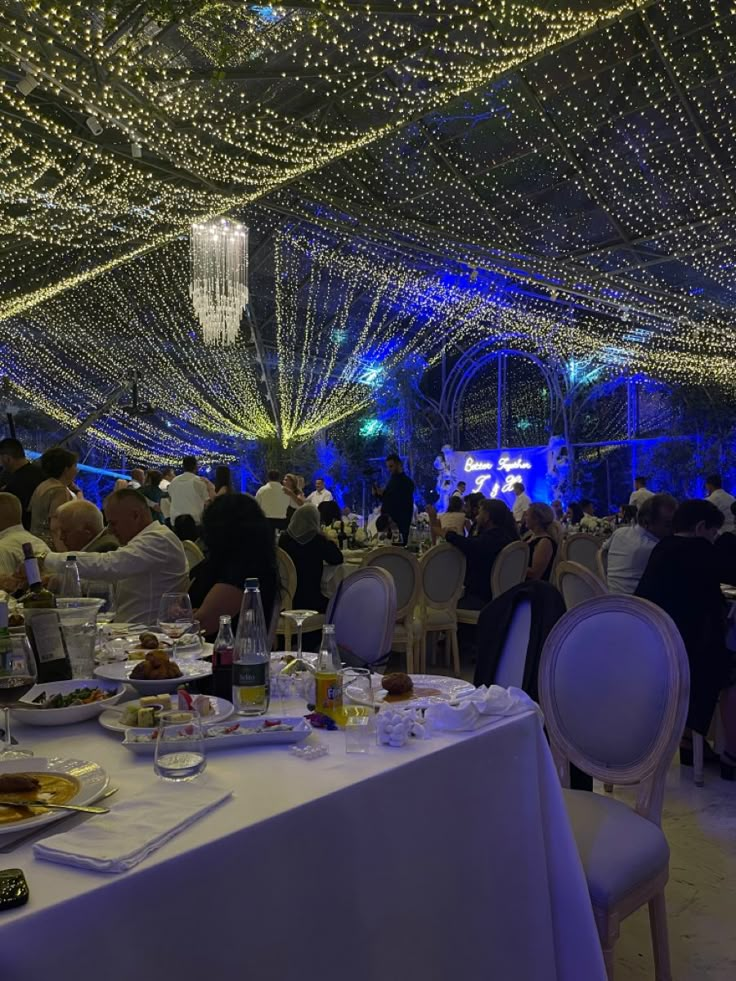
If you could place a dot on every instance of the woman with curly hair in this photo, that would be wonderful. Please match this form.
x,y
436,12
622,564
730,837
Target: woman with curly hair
x,y
238,541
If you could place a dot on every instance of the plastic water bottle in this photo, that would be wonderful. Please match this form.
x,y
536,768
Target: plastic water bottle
x,y
71,586
251,657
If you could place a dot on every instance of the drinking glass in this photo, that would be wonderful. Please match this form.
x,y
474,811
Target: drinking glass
x,y
180,753
360,713
17,677
175,614
98,589
299,616
189,647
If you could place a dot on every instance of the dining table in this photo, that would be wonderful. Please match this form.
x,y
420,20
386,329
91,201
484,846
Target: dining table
x,y
447,858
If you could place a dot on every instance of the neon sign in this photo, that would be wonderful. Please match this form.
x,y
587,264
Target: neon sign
x,y
496,471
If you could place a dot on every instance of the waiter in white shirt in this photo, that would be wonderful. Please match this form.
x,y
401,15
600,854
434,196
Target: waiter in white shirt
x,y
320,494
188,493
274,500
522,502
641,493
721,498
150,562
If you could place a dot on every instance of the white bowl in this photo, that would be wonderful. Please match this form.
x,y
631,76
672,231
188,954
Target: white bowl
x,y
36,716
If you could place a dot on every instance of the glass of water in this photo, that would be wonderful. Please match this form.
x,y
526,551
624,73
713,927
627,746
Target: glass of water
x,y
360,718
180,753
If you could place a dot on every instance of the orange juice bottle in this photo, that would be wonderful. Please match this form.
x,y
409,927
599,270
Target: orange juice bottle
x,y
328,676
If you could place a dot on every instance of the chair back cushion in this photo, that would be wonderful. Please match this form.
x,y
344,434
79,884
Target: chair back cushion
x,y
510,670
582,549
193,553
364,611
577,584
510,567
443,574
403,568
614,684
287,575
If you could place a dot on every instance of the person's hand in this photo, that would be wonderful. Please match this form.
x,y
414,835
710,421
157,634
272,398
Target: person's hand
x,y
11,583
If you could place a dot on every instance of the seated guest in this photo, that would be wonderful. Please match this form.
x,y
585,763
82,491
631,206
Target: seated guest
x,y
473,502
80,527
149,563
627,514
630,546
350,517
558,510
329,513
19,476
544,541
59,467
386,528
682,578
586,506
574,514
185,528
725,549
12,537
309,550
496,530
239,543
453,519
721,498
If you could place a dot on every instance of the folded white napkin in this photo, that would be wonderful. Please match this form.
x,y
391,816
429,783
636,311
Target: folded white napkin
x,y
479,708
133,829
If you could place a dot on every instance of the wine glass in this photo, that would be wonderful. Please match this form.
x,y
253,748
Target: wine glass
x,y
175,615
299,616
17,677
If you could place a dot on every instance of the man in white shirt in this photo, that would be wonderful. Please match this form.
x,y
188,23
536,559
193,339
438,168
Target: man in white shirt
x,y
167,475
149,563
273,499
137,477
522,502
722,500
641,493
320,494
13,535
629,547
188,493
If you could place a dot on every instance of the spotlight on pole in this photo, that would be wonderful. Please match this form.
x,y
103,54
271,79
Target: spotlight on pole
x,y
136,151
28,83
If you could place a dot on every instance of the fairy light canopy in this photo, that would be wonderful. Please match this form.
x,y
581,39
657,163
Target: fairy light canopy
x,y
414,175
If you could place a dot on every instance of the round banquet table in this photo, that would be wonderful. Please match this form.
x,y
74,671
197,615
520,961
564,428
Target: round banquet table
x,y
446,858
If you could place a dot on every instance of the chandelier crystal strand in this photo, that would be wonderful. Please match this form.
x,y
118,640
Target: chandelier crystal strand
x,y
219,278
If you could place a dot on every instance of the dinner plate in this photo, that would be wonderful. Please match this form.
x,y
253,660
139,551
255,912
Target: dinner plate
x,y
245,732
120,671
91,779
447,688
35,715
113,720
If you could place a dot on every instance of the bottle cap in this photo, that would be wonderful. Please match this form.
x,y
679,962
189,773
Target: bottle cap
x,y
71,558
225,618
329,628
251,584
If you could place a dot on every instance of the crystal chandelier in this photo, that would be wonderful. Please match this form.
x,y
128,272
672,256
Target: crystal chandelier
x,y
219,278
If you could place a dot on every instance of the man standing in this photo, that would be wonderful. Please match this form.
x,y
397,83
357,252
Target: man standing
x,y
273,500
13,535
320,494
459,490
629,547
20,476
397,496
188,493
149,563
721,498
137,477
641,493
522,502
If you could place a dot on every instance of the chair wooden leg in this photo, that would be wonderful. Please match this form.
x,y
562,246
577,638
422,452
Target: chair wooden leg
x,y
455,651
698,747
609,961
608,787
423,653
409,652
660,940
608,931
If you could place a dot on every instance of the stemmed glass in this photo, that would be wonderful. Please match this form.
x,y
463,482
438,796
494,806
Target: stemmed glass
x,y
17,677
175,615
299,616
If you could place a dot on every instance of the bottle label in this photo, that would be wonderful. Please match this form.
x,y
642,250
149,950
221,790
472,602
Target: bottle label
x,y
250,675
328,693
47,636
223,655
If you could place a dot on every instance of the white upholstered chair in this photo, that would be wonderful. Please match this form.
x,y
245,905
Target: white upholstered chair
x,y
403,568
583,549
508,570
442,577
601,562
194,554
287,575
363,611
577,584
614,684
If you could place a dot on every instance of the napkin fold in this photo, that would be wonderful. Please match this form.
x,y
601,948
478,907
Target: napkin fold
x,y
479,707
133,829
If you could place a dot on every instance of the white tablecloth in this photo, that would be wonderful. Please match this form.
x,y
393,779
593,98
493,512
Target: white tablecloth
x,y
446,859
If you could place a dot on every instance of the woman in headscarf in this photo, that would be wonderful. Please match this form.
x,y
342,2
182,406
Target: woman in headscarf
x,y
309,549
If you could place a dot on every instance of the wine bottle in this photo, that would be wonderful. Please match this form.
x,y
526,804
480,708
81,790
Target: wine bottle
x,y
43,626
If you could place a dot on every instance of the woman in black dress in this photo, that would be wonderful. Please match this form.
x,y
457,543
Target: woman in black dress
x,y
544,540
309,549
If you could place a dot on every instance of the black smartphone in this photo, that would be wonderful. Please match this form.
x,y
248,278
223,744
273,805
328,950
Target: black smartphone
x,y
13,889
